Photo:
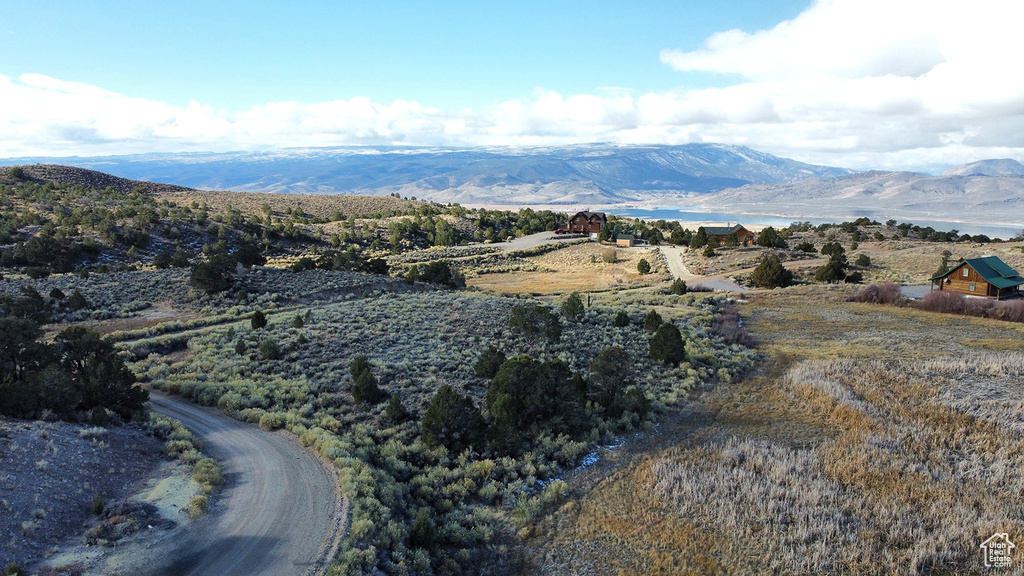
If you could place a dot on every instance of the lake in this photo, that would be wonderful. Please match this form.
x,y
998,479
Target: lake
x,y
685,214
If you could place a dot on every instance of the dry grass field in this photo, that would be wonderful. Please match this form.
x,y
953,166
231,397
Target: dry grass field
x,y
578,268
872,440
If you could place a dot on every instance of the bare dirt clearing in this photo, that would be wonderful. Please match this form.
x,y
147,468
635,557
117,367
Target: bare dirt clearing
x,y
50,473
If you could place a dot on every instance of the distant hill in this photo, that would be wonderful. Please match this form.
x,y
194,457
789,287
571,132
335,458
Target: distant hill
x,y
74,176
585,174
999,167
902,195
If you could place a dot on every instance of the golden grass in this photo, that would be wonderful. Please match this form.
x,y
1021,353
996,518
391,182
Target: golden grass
x,y
577,268
853,413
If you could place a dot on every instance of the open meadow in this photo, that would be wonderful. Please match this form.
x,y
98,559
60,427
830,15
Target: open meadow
x,y
870,440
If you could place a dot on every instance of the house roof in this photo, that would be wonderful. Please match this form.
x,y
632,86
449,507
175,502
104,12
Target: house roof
x,y
992,269
590,215
722,230
624,237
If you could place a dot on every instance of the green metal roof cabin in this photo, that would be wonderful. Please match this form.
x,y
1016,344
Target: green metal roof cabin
x,y
987,276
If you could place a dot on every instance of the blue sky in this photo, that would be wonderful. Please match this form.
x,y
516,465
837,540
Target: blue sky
x,y
857,83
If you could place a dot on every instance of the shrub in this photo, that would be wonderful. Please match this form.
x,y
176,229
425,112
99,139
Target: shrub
x,y
806,246
269,349
364,384
423,529
643,266
298,322
258,320
709,251
13,568
888,293
863,260
97,505
272,421
854,278
621,319
769,238
37,272
213,276
667,345
77,301
451,420
830,272
197,506
610,255
678,286
57,294
396,412
16,173
535,321
572,307
652,321
488,363
207,472
770,273
610,373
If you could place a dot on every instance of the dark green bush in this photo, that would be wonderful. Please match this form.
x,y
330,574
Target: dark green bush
x,y
572,307
643,266
678,286
667,345
770,273
621,319
535,321
652,321
489,362
364,384
452,421
269,349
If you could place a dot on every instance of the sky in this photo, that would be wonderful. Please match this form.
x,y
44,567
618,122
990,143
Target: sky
x,y
863,84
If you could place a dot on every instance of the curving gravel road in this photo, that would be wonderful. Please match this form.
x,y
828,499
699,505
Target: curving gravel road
x,y
280,512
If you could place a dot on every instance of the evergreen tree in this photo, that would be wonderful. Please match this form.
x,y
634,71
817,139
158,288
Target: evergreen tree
x,y
452,420
700,239
652,321
489,362
667,345
258,320
364,385
770,273
572,307
643,266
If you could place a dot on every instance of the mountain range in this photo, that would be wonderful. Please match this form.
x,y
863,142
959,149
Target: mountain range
x,y
715,177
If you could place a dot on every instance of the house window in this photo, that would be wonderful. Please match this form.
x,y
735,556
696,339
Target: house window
x,y
971,287
965,271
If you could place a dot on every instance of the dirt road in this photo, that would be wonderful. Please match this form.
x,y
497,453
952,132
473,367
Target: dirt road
x,y
280,512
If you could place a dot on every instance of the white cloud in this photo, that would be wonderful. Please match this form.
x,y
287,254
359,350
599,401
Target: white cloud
x,y
858,83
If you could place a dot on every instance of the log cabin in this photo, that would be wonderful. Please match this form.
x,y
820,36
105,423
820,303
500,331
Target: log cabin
x,y
587,222
987,276
744,236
